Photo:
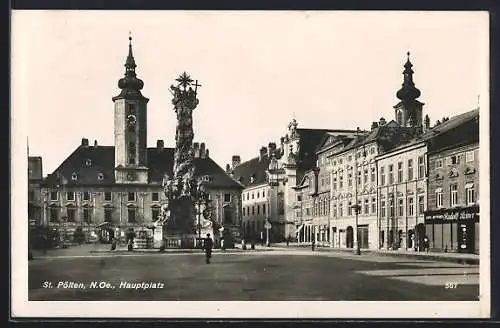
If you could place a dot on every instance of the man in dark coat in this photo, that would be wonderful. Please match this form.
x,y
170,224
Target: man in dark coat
x,y
209,244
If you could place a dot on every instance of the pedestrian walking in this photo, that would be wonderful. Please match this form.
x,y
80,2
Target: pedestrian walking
x,y
313,244
208,248
287,241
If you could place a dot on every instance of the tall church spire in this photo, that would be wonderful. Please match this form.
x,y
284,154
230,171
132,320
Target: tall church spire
x,y
408,91
409,110
130,84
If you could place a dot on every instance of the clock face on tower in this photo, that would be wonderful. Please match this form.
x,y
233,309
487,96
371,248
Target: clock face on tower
x,y
131,120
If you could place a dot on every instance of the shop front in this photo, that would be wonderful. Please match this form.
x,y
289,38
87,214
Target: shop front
x,y
453,229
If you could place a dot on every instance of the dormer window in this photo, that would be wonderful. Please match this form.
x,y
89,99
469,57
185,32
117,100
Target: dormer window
x,y
100,176
88,162
74,176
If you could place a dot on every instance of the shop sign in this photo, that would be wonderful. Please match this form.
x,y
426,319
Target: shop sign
x,y
455,216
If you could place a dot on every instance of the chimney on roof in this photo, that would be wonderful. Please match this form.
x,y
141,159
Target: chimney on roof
x,y
85,142
382,121
95,143
159,145
262,153
235,161
202,150
374,125
196,149
271,149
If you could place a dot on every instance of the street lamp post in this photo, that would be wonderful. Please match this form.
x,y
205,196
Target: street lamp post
x,y
356,206
201,197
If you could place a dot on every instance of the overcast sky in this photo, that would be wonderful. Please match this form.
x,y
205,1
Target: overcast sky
x,y
257,70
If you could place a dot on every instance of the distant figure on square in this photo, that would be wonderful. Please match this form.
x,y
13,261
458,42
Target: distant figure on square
x,y
426,244
313,242
208,248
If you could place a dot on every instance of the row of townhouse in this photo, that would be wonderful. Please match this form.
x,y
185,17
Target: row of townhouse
x,y
391,186
403,188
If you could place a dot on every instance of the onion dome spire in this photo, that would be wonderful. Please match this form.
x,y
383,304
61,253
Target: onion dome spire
x,y
130,84
408,91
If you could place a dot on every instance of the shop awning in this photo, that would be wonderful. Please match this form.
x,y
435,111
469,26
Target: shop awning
x,y
104,224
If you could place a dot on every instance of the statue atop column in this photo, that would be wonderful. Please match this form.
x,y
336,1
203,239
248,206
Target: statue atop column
x,y
179,189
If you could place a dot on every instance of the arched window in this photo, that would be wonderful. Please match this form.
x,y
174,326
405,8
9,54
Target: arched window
x,y
399,117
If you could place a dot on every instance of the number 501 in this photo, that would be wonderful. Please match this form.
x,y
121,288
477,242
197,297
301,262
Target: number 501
x,y
450,285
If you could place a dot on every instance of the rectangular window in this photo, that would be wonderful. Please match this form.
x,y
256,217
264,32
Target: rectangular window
x,y
253,210
454,194
86,195
227,198
382,176
155,213
341,181
365,177
359,178
421,205
108,215
367,206
421,167
107,195
400,172
334,183
155,196
258,209
359,207
86,215
253,196
299,198
400,207
439,163
70,213
263,208
131,159
244,211
410,169
411,206
455,159
374,205
469,156
391,207
373,174
439,198
349,208
341,210
471,198
391,174
53,195
131,215
334,210
54,215
349,180
70,195
382,208
131,196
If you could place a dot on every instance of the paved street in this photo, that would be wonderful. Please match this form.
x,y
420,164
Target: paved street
x,y
247,276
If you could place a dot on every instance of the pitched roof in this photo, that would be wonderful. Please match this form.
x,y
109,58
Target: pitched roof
x,y
309,140
441,129
255,167
91,162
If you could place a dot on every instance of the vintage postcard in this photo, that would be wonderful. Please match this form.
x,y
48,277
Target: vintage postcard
x,y
258,164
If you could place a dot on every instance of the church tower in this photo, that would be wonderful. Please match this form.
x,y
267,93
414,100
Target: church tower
x,y
130,126
408,112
